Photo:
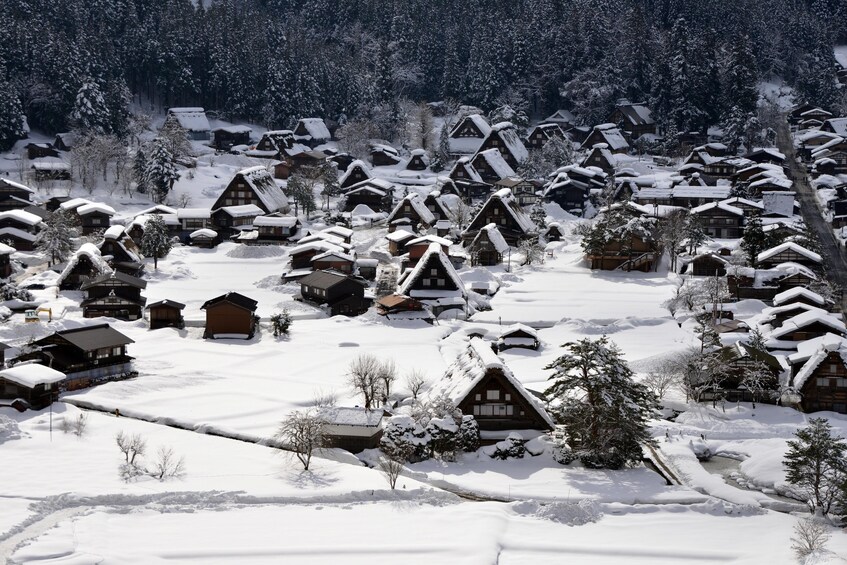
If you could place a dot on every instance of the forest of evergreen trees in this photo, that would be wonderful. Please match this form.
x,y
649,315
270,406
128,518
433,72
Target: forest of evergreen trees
x,y
270,61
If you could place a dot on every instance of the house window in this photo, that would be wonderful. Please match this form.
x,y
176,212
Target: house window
x,y
103,353
433,272
833,368
496,211
478,397
118,351
440,282
508,397
492,394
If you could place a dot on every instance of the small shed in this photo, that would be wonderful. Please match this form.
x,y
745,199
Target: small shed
x,y
224,139
419,160
230,315
204,238
166,314
518,335
33,382
354,429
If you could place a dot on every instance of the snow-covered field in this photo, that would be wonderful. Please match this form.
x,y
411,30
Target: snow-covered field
x,y
62,499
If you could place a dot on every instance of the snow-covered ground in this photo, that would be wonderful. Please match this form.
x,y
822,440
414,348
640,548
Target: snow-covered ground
x,y
62,499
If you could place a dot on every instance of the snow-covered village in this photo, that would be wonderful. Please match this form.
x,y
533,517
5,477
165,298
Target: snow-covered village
x,y
310,281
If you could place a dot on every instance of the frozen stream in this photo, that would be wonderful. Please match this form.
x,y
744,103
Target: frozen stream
x,y
729,469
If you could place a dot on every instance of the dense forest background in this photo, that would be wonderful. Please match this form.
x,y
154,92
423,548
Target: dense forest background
x,y
270,61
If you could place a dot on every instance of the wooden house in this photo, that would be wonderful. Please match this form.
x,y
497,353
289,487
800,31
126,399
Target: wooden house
x,y
343,295
120,251
353,429
397,305
344,263
230,220
397,241
384,155
273,228
86,263
166,314
601,157
418,247
437,206
563,118
50,168
5,260
355,173
94,217
114,295
311,131
204,238
719,220
502,210
608,134
468,134
819,375
191,219
193,121
803,112
346,234
225,138
480,384
256,186
778,315
35,383
65,141
488,247
739,359
434,281
302,254
367,267
230,315
635,119
805,326
86,355
518,335
376,194
273,143
789,252
707,265
505,139
838,126
491,166
40,150
418,161
19,228
412,208
14,195
554,232
766,155
726,167
800,295
542,133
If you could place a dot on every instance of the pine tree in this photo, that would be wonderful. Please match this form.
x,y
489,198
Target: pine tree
x,y
139,170
91,114
816,463
11,115
754,240
160,170
603,409
694,234
155,241
55,239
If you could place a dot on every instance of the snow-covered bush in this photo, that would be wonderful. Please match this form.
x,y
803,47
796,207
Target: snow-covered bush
x,y
510,448
8,429
469,434
444,438
11,291
404,439
563,454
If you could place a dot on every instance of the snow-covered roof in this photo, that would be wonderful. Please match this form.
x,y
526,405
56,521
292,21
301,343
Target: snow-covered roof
x,y
806,319
114,232
21,216
157,209
518,328
86,209
514,209
471,366
637,114
191,119
6,249
432,254
465,164
235,129
722,205
242,211
400,235
13,184
351,416
414,200
275,221
815,351
494,236
316,127
319,246
340,231
494,160
265,187
838,125
203,232
561,116
32,374
508,133
789,246
74,203
612,136
430,238
18,233
334,255
93,253
480,122
193,213
358,163
795,293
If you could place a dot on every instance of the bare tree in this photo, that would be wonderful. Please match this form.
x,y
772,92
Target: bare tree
x,y
354,137
167,465
662,377
415,382
132,446
365,377
672,232
391,467
303,433
810,536
323,399
387,376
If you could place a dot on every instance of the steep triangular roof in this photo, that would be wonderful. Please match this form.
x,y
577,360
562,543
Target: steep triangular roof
x,y
472,365
90,251
432,257
414,200
494,236
513,209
